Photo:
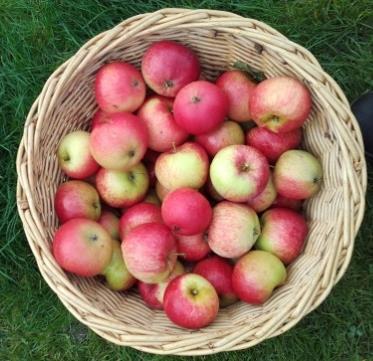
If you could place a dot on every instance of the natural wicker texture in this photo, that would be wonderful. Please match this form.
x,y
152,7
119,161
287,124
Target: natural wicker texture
x,y
220,39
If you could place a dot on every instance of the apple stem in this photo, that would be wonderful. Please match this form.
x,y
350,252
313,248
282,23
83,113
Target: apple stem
x,y
168,84
194,292
196,99
274,118
245,167
316,180
179,254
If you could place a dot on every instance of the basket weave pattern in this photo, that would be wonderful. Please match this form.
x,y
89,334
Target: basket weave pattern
x,y
67,103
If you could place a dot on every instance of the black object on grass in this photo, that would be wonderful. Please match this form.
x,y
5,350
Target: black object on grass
x,y
363,111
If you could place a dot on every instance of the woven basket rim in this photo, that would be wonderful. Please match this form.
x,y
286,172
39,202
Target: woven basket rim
x,y
31,220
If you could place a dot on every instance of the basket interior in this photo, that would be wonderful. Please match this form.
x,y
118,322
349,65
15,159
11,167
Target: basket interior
x,y
217,51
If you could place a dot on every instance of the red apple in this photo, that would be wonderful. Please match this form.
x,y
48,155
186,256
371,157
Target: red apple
x,y
150,252
83,247
283,233
228,133
297,174
233,230
264,199
122,189
119,87
239,172
191,301
218,272
186,211
74,155
184,166
153,294
139,214
168,66
77,199
163,132
116,273
200,107
280,104
194,247
238,87
148,294
271,144
119,143
110,222
255,276
283,202
100,117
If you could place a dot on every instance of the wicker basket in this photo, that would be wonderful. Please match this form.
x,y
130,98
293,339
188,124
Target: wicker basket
x,y
220,39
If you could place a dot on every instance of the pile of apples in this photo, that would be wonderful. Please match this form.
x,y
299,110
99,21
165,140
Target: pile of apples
x,y
166,188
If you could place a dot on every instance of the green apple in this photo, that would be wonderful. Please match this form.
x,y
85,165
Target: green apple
x,y
297,174
239,172
122,188
184,166
118,278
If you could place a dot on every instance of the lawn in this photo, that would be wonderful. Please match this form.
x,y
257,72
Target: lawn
x,y
38,35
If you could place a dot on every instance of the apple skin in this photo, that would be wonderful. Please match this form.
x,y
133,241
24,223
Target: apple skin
x,y
283,202
152,198
271,144
194,247
116,273
119,143
200,107
283,233
238,87
122,188
119,87
100,117
255,276
186,211
233,230
173,168
167,66
239,172
147,292
139,214
83,247
163,132
76,199
74,155
150,252
110,222
280,104
190,301
228,133
264,199
153,294
297,174
218,272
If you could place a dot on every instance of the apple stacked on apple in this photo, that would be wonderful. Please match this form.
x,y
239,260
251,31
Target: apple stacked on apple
x,y
173,191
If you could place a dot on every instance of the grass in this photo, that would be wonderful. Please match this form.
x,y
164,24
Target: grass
x,y
38,35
